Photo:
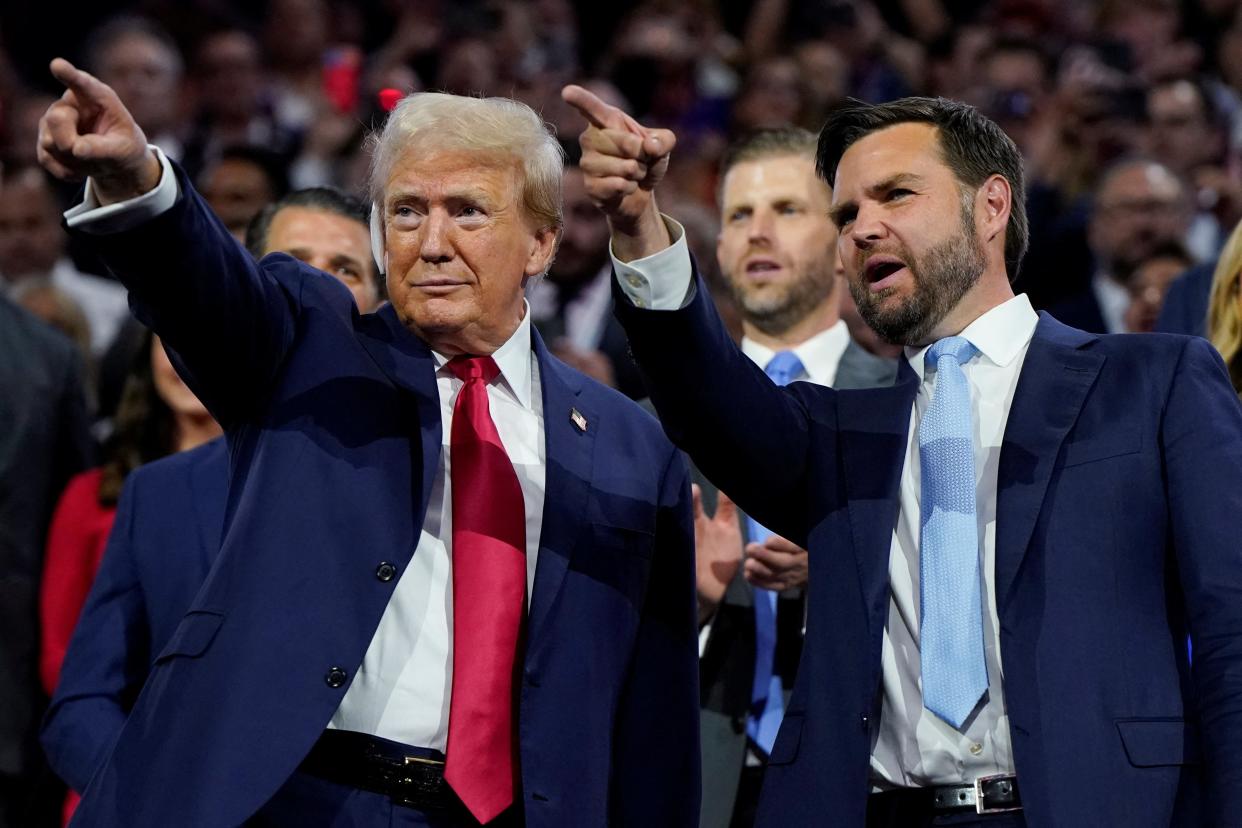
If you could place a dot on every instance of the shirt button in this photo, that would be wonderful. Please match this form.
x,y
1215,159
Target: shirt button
x,y
634,280
976,749
639,303
335,677
385,571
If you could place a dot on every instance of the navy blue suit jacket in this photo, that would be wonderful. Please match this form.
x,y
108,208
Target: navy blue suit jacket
x,y
1119,509
334,430
163,542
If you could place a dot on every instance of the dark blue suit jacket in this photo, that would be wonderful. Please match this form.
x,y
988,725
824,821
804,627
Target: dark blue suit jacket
x,y
334,434
1119,510
1186,304
164,540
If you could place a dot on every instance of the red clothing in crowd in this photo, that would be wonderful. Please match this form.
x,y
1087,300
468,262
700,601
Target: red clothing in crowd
x,y
75,546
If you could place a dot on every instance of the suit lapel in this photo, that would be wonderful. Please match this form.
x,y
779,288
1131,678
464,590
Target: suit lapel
x,y
873,430
1056,377
860,369
408,363
568,452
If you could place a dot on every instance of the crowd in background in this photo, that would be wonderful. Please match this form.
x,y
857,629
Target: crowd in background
x,y
1128,114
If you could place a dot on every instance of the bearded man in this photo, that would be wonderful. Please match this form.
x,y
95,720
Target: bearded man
x,y
1009,546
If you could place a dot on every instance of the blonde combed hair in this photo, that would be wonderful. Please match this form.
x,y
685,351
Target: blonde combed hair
x,y
1224,322
437,122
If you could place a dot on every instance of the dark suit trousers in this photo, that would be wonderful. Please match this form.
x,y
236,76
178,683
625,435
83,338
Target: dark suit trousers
x,y
310,802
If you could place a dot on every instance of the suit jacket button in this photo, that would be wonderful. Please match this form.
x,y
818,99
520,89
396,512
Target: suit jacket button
x,y
385,571
335,677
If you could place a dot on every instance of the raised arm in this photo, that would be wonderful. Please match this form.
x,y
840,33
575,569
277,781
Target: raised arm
x,y
228,320
748,437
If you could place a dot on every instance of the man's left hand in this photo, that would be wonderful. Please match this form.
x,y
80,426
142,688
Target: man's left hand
x,y
776,564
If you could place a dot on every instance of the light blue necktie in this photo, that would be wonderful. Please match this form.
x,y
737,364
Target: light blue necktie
x,y
951,642
767,702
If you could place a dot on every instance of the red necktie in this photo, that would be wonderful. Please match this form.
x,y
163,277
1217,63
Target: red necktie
x,y
489,591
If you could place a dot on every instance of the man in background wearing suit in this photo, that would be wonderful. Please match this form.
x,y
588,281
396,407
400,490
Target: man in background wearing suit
x,y
777,253
170,513
1010,545
456,579
43,442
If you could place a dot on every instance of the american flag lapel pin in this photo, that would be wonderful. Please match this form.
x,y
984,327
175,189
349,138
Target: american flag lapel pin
x,y
579,421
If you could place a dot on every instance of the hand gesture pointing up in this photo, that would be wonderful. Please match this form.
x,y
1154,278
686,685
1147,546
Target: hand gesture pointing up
x,y
622,163
89,132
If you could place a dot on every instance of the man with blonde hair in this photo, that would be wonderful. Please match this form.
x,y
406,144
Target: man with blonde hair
x,y
455,585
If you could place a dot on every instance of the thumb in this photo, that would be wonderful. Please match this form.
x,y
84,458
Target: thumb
x,y
726,509
658,143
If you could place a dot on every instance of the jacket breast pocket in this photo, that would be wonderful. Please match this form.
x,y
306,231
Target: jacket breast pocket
x,y
193,635
1102,447
1153,743
787,740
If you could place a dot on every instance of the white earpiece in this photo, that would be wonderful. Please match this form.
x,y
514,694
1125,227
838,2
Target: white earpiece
x,y
377,239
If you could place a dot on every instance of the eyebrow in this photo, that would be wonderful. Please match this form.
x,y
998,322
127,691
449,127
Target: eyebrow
x,y
837,211
474,195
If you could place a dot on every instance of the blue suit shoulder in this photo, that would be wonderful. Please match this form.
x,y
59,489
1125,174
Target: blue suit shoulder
x,y
176,466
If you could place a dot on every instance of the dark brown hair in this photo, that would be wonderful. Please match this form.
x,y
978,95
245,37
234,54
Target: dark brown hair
x,y
143,427
973,146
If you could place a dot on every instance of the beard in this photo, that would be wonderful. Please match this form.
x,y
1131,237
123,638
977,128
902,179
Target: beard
x,y
775,312
942,276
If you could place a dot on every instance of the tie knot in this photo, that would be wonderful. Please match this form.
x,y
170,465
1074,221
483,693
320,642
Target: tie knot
x,y
783,367
467,368
958,347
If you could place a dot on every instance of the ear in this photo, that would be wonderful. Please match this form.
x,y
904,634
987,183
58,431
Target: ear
x,y
543,246
377,239
994,202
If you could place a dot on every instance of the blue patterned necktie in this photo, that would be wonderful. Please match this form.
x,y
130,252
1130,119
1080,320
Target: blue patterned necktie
x,y
951,637
767,702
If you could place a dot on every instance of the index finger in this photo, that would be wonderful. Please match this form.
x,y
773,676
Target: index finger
x,y
86,87
599,114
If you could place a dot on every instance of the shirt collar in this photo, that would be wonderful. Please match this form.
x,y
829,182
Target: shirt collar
x,y
820,355
1000,334
513,358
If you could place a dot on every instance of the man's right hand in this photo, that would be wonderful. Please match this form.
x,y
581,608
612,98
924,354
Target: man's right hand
x,y
89,132
622,162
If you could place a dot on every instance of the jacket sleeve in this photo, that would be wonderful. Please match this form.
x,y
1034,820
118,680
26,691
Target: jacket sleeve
x,y
1201,439
750,437
106,662
655,765
228,319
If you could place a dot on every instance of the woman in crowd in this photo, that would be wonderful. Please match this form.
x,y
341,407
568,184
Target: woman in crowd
x,y
1224,324
157,415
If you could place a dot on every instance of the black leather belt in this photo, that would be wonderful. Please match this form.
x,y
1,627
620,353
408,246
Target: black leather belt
x,y
986,795
409,775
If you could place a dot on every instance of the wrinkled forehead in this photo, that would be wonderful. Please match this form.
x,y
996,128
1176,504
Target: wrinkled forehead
x,y
431,170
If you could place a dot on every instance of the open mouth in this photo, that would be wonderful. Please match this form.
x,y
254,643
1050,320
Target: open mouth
x,y
759,268
883,271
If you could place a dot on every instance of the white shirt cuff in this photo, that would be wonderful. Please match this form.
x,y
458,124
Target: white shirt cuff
x,y
662,280
704,634
125,215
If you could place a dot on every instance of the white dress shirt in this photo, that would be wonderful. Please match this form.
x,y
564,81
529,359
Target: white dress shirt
x,y
402,690
1113,299
913,746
